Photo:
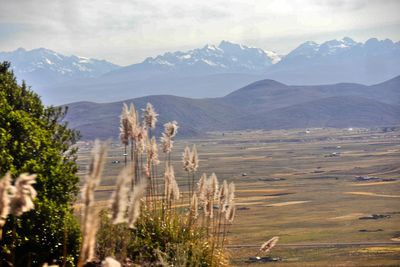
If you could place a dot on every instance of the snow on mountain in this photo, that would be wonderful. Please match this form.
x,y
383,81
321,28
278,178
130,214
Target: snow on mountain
x,y
43,66
334,48
336,61
209,71
227,57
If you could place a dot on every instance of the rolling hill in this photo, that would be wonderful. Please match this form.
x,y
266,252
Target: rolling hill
x,y
265,104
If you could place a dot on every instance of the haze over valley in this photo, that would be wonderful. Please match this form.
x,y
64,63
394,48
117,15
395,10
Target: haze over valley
x,y
210,71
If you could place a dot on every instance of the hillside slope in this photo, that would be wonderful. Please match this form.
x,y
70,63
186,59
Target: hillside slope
x,y
264,104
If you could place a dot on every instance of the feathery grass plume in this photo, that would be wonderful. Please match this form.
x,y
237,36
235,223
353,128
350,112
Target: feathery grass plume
x,y
24,194
153,151
194,207
5,198
134,206
152,155
171,186
210,208
186,159
93,178
141,138
202,187
47,265
110,262
213,186
133,122
267,246
208,193
125,126
231,212
175,193
89,217
168,181
87,252
166,143
194,158
119,198
171,128
150,117
223,196
231,194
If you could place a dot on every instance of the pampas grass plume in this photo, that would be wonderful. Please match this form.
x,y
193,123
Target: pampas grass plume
x,y
213,186
133,121
152,151
223,196
134,205
231,190
171,128
150,116
202,187
24,195
267,246
186,159
110,262
5,186
175,193
171,186
89,217
119,198
194,206
125,126
140,138
166,143
231,212
194,159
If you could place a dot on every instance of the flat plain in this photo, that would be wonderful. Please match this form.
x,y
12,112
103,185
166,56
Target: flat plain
x,y
299,185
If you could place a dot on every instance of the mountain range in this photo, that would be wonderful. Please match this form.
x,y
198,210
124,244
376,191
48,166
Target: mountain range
x,y
265,104
210,71
43,67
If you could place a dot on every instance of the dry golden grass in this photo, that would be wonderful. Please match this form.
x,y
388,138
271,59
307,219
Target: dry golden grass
x,y
310,174
372,194
287,203
379,250
376,183
249,203
260,191
346,217
255,198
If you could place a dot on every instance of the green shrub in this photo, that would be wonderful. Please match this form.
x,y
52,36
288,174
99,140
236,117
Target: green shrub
x,y
33,140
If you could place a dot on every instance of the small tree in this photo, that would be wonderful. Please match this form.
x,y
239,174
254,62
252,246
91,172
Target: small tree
x,y
33,140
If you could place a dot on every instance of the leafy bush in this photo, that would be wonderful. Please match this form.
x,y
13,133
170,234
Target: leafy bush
x,y
33,140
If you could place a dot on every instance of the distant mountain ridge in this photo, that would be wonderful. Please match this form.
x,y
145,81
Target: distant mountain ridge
x,y
43,67
227,57
210,71
265,104
339,61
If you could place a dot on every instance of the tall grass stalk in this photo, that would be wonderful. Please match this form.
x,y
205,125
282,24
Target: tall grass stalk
x,y
162,226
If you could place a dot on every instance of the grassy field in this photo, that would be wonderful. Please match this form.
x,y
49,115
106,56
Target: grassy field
x,y
300,185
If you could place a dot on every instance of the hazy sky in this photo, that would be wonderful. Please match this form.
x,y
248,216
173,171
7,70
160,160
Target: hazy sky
x,y
127,31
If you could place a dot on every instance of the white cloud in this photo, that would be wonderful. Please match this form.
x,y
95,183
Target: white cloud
x,y
127,31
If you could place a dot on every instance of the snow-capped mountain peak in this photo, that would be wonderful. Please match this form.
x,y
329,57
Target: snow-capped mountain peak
x,y
226,57
335,48
42,66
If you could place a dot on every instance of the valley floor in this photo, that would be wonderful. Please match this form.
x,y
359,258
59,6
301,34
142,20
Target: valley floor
x,y
301,185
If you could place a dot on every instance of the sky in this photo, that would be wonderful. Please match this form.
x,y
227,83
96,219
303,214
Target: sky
x,y
128,31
